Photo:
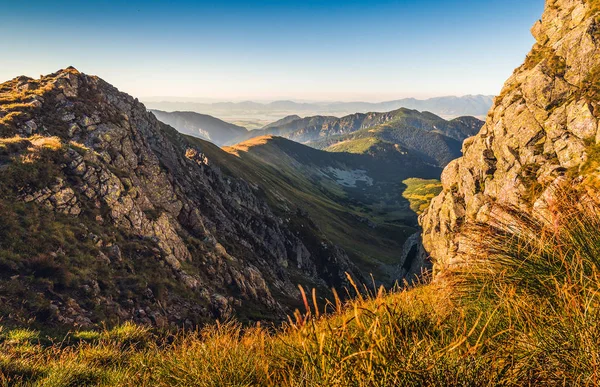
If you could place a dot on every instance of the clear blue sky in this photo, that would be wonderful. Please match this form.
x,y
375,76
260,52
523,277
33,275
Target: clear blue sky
x,y
231,50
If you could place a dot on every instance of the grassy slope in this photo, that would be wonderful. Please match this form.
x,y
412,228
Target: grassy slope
x,y
290,184
525,313
420,192
361,145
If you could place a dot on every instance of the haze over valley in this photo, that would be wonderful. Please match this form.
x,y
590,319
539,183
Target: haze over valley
x,y
255,115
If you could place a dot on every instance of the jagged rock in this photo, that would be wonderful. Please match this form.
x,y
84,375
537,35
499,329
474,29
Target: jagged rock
x,y
221,307
157,195
537,132
31,127
114,253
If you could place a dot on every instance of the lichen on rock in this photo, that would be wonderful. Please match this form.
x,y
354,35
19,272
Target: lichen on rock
x,y
538,131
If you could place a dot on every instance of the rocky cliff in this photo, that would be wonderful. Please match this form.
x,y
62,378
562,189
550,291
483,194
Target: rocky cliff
x,y
110,214
541,131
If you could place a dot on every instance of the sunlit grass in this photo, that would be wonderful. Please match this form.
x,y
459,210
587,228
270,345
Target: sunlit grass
x,y
525,311
420,192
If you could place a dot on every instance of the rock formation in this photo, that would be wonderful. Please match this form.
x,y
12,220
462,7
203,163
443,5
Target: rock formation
x,y
539,133
121,177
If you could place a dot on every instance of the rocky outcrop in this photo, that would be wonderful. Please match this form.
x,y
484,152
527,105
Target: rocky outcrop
x,y
537,134
116,164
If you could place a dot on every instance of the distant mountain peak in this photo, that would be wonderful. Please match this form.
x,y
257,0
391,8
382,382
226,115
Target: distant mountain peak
x,y
448,107
202,125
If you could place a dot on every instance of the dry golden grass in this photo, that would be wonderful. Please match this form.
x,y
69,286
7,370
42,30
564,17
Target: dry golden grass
x,y
52,143
525,312
246,145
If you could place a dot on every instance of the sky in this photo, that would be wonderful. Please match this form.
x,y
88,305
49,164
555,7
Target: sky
x,y
343,50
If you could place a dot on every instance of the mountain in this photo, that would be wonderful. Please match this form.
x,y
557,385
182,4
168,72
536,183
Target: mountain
x,y
540,136
109,214
285,120
356,200
202,125
514,235
438,141
322,127
448,107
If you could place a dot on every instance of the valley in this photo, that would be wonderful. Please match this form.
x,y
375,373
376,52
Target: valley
x,y
231,230
304,244
448,107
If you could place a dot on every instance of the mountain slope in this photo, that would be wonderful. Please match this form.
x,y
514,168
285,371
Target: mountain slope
x,y
110,214
321,128
436,140
541,134
285,120
202,125
355,199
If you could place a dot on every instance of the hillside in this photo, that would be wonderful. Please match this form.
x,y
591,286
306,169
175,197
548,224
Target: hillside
x,y
355,199
201,125
436,140
285,120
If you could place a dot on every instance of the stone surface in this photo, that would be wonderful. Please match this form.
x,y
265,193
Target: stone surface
x,y
537,131
213,234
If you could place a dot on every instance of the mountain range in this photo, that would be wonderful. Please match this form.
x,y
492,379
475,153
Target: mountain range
x,y
436,140
110,214
447,107
111,218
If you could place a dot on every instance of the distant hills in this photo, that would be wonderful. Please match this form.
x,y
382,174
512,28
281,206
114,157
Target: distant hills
x,y
436,140
447,107
201,125
107,211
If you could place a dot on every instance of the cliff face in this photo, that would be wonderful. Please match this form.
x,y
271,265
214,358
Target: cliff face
x,y
144,207
539,133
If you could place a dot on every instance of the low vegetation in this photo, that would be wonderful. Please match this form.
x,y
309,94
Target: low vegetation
x,y
524,312
420,192
361,145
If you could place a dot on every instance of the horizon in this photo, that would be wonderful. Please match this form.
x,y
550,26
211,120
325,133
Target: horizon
x,y
200,100
345,51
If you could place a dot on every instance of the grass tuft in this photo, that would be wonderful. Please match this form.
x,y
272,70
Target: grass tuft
x,y
525,311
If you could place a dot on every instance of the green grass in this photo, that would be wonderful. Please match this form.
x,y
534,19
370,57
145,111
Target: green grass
x,y
289,177
360,145
526,311
420,192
